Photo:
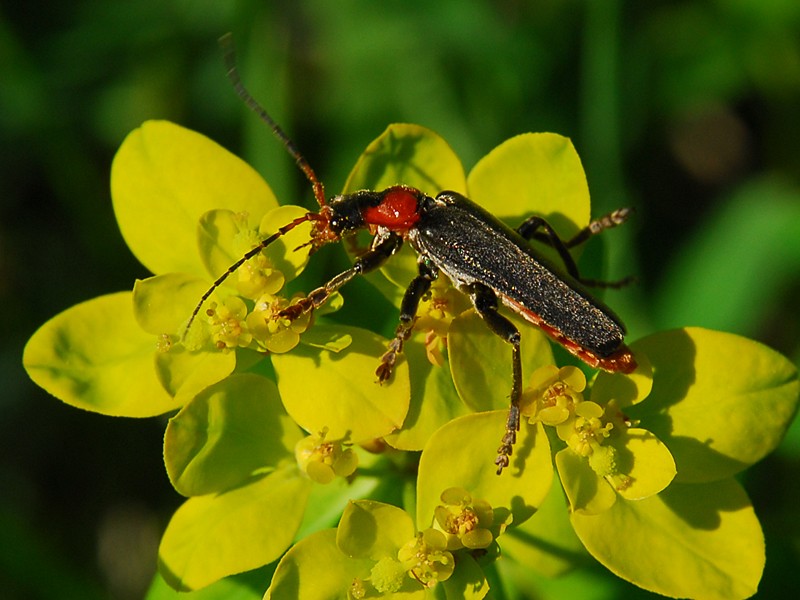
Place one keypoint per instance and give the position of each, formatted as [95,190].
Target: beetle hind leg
[537,228]
[485,302]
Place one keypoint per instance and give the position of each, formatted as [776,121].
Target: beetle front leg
[418,287]
[485,302]
[383,247]
[539,229]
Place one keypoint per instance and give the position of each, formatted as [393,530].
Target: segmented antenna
[229,55]
[247,256]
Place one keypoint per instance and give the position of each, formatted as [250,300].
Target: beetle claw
[384,370]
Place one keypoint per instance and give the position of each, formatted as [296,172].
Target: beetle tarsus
[388,360]
[613,219]
[509,439]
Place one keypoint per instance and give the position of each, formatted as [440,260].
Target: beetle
[484,258]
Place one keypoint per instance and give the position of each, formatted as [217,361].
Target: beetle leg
[539,229]
[382,248]
[612,219]
[485,302]
[418,287]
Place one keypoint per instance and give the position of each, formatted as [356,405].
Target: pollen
[426,559]
[324,460]
[586,431]
[464,521]
[228,328]
[436,312]
[164,343]
[387,575]
[553,394]
[258,277]
[272,331]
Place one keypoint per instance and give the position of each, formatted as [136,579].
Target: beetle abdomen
[470,245]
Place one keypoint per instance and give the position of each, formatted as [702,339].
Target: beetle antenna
[229,55]
[247,256]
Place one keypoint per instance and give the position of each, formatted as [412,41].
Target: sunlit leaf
[480,360]
[720,402]
[164,178]
[587,493]
[533,173]
[338,391]
[546,542]
[210,537]
[646,463]
[163,303]
[223,239]
[434,400]
[245,586]
[625,389]
[370,529]
[226,433]
[462,453]
[184,373]
[299,574]
[690,541]
[95,356]
[410,155]
[467,581]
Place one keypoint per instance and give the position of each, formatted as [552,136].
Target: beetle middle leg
[539,229]
[418,287]
[485,302]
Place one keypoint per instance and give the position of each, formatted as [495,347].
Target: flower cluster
[281,430]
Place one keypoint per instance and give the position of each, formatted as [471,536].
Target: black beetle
[482,257]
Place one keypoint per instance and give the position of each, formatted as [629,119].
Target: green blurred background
[688,111]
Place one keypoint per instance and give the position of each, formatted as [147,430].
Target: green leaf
[625,389]
[467,581]
[326,338]
[164,178]
[690,541]
[410,155]
[95,356]
[645,460]
[245,586]
[719,402]
[223,239]
[213,536]
[327,502]
[370,529]
[434,400]
[217,233]
[184,373]
[480,360]
[533,173]
[339,391]
[546,542]
[162,304]
[226,433]
[642,468]
[290,252]
[315,569]
[461,454]
[587,493]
